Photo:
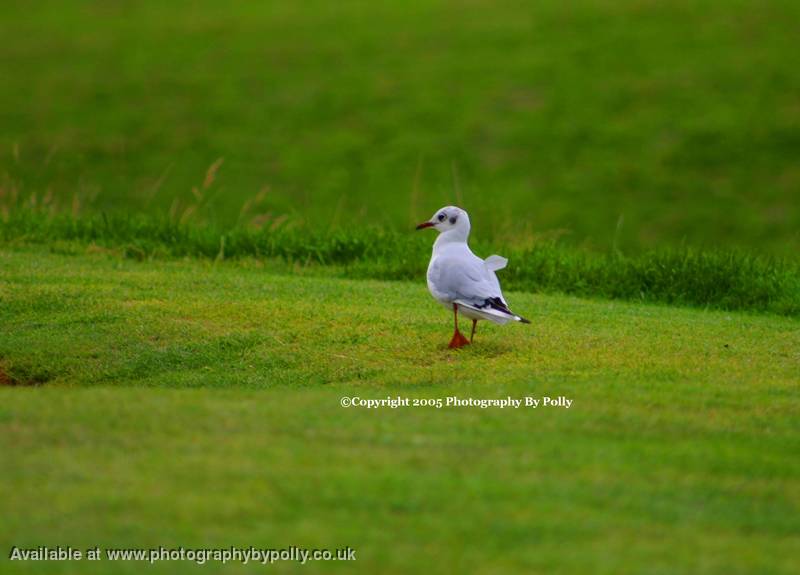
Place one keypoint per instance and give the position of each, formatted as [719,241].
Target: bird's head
[447,218]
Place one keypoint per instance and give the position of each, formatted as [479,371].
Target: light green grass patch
[187,403]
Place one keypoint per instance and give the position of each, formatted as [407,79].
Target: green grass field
[603,122]
[718,279]
[206,242]
[202,408]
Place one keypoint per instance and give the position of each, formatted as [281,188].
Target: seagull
[460,280]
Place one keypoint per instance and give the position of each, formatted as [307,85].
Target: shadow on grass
[484,349]
[22,378]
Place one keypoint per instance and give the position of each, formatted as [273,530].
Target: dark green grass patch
[709,278]
[678,118]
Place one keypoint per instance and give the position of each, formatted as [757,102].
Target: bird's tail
[500,305]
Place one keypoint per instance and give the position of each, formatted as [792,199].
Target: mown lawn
[198,404]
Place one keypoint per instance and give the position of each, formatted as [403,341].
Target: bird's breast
[433,277]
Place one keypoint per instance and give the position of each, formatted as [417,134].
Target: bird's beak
[424,225]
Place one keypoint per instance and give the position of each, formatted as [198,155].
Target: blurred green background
[627,122]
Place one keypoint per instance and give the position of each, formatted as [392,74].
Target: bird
[460,280]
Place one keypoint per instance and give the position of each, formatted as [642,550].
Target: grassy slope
[681,116]
[718,279]
[155,427]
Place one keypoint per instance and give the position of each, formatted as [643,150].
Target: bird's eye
[441,217]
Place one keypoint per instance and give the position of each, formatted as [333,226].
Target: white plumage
[459,279]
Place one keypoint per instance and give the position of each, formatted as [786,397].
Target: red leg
[474,323]
[458,339]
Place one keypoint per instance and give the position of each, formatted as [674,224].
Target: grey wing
[495,284]
[467,279]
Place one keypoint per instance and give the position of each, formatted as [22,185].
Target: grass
[197,403]
[201,205]
[722,279]
[628,123]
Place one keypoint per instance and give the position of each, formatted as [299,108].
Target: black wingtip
[500,305]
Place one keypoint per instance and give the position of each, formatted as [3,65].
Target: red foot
[458,340]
